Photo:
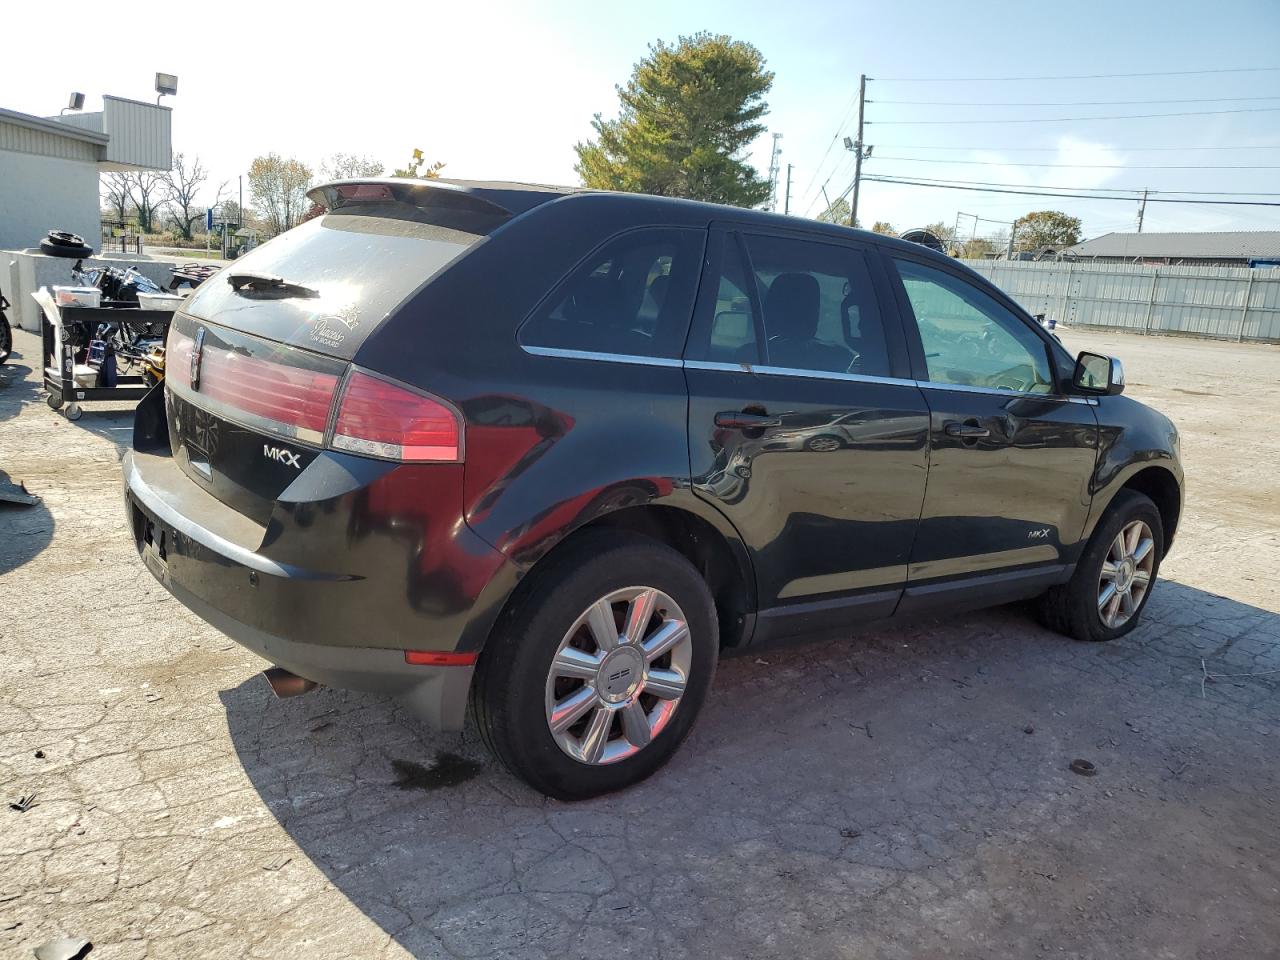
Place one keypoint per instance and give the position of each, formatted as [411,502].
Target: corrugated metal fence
[1225,303]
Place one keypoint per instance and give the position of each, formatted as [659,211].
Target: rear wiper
[265,283]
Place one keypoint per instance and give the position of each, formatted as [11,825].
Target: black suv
[548,451]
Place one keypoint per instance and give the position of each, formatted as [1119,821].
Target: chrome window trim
[564,353]
[768,371]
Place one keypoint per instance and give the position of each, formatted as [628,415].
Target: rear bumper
[437,694]
[342,629]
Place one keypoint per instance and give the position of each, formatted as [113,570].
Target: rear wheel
[1112,583]
[599,670]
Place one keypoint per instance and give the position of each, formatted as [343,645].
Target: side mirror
[1099,374]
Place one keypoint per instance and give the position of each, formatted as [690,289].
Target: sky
[503,90]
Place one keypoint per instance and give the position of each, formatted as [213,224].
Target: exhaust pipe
[285,684]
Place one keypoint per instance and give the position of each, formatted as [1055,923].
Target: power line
[1080,76]
[844,120]
[1060,103]
[1082,166]
[1137,190]
[1071,196]
[920,146]
[1126,116]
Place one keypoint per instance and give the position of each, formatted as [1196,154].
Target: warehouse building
[1240,248]
[50,166]
[49,173]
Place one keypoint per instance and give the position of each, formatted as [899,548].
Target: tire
[1076,608]
[54,400]
[62,250]
[824,443]
[516,690]
[6,339]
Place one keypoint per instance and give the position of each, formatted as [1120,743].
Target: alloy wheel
[618,675]
[1126,574]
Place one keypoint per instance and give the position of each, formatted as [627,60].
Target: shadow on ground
[24,530]
[904,793]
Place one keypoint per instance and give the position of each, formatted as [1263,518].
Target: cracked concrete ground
[901,794]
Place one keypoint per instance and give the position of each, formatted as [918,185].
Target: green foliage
[686,118]
[414,170]
[1045,228]
[884,227]
[837,212]
[278,186]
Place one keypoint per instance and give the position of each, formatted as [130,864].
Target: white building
[49,167]
[49,173]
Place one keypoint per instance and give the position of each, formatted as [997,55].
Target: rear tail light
[379,419]
[281,396]
[271,393]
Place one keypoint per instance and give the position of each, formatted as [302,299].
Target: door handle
[742,420]
[968,431]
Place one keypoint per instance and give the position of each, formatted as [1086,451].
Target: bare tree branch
[181,185]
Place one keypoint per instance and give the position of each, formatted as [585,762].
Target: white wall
[39,194]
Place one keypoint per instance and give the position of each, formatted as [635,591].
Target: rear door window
[632,297]
[814,302]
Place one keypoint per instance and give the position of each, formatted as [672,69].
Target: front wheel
[1112,583]
[598,671]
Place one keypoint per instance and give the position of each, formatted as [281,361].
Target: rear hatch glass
[325,285]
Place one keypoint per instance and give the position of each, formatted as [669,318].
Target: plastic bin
[77,296]
[160,301]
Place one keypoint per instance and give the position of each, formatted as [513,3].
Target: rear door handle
[969,431]
[736,420]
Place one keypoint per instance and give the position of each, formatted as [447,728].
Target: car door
[1010,455]
[805,428]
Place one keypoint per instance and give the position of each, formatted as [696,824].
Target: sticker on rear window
[326,333]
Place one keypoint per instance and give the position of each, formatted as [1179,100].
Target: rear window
[345,272]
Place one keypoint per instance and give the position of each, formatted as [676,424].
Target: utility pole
[857,151]
[786,204]
[774,169]
[1142,210]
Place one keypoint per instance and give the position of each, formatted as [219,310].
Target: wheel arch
[717,555]
[1165,492]
[1155,481]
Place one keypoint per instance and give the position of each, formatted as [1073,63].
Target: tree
[943,231]
[884,227]
[147,191]
[182,184]
[1043,228]
[414,171]
[115,191]
[837,211]
[347,166]
[977,248]
[137,192]
[278,187]
[686,118]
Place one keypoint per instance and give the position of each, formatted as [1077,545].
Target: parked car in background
[549,451]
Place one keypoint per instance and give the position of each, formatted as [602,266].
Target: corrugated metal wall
[140,133]
[24,139]
[1225,303]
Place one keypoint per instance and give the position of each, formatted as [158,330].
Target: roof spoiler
[424,194]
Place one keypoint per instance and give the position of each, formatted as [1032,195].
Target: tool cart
[94,352]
